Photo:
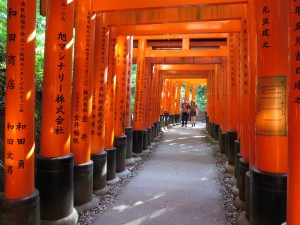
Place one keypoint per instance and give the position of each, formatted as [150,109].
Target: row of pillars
[87,133]
[253,104]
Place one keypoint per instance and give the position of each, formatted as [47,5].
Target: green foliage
[133,86]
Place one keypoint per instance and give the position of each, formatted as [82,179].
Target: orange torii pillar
[217,102]
[167,101]
[293,185]
[223,104]
[138,126]
[242,158]
[120,140]
[211,103]
[164,97]
[82,106]
[269,174]
[156,99]
[54,174]
[232,98]
[252,33]
[172,102]
[147,106]
[187,91]
[178,102]
[161,101]
[110,111]
[98,153]
[128,114]
[19,203]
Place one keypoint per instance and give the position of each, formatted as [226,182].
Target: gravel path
[222,183]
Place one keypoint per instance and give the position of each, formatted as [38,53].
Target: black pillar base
[167,118]
[20,211]
[83,186]
[207,123]
[155,130]
[162,121]
[149,137]
[243,169]
[248,195]
[237,158]
[222,142]
[268,197]
[129,135]
[216,133]
[120,143]
[153,133]
[137,141]
[111,164]
[145,139]
[177,118]
[172,119]
[232,136]
[55,182]
[99,173]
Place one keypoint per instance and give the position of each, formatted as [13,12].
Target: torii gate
[273,164]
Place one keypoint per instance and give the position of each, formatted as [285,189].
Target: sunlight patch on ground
[168,141]
[199,136]
[155,214]
[121,208]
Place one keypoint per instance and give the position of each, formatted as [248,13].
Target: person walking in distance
[185,113]
[193,112]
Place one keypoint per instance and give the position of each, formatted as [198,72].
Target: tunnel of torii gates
[246,52]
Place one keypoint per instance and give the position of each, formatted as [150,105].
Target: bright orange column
[172,102]
[120,139]
[187,91]
[56,104]
[293,186]
[217,101]
[20,100]
[110,108]
[128,122]
[82,83]
[121,79]
[56,115]
[178,102]
[82,103]
[138,125]
[268,176]
[271,111]
[111,92]
[99,86]
[99,156]
[128,119]
[252,80]
[233,76]
[223,104]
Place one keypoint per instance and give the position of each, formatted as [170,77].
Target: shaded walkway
[176,186]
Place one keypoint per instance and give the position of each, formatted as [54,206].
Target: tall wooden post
[82,106]
[223,105]
[171,102]
[54,177]
[293,185]
[120,140]
[99,156]
[217,102]
[232,96]
[177,102]
[128,114]
[110,110]
[20,201]
[268,176]
[139,96]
